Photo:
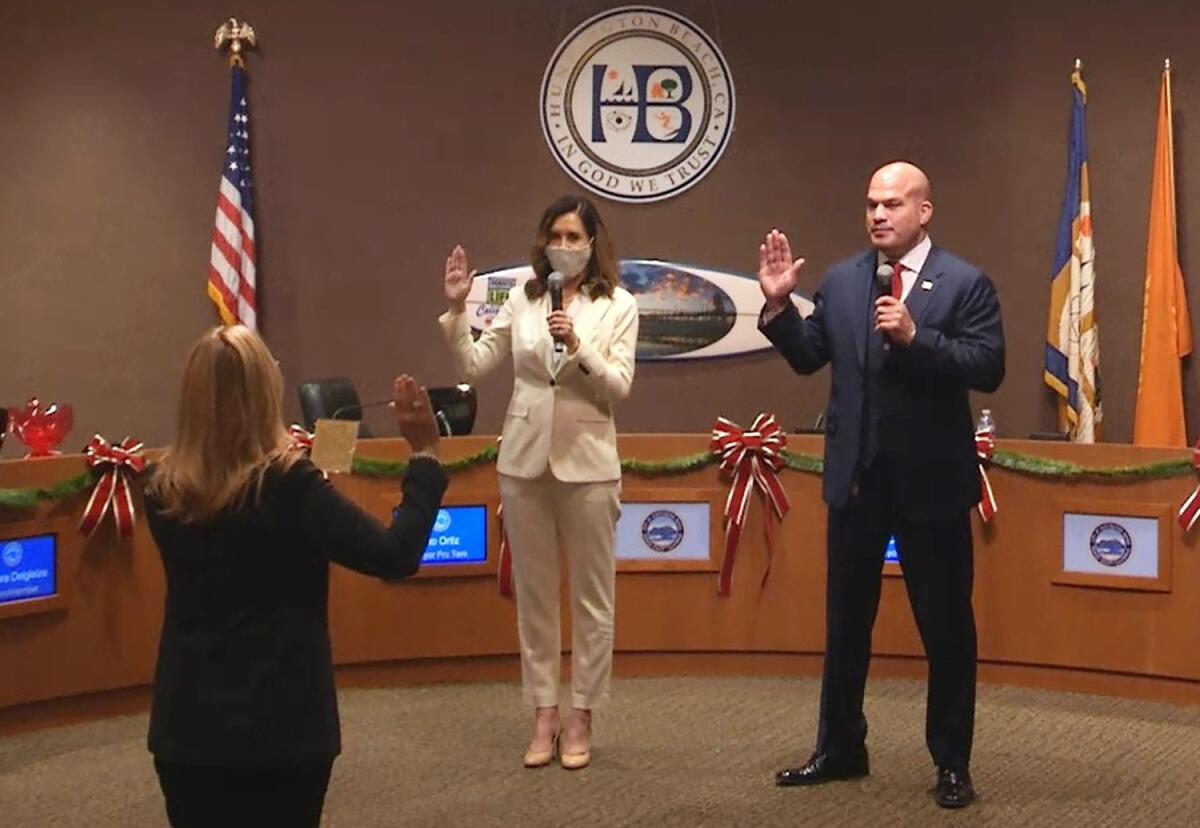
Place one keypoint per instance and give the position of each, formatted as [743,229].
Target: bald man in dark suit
[908,330]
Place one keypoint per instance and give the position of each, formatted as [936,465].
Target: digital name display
[28,568]
[892,555]
[459,536]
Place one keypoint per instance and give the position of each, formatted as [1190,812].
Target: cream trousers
[542,517]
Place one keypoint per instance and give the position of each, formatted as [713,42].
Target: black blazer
[959,346]
[245,672]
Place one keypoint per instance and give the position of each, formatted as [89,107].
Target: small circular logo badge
[442,522]
[637,104]
[12,554]
[662,530]
[1111,544]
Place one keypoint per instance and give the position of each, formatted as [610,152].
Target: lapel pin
[927,285]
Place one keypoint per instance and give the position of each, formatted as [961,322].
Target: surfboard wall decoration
[685,311]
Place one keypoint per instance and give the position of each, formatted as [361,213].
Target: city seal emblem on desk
[1111,544]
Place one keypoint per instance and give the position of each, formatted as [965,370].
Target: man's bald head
[906,176]
[899,207]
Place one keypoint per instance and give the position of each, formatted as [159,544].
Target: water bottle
[986,424]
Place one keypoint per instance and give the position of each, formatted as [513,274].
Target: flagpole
[232,267]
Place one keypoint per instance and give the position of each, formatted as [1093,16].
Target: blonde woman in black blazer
[244,724]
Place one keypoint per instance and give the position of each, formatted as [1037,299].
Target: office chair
[454,406]
[334,399]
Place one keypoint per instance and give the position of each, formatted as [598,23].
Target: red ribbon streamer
[300,438]
[753,458]
[985,449]
[117,464]
[1190,510]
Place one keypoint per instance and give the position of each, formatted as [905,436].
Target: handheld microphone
[555,284]
[883,281]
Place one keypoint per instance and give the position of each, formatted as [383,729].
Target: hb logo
[656,93]
[637,104]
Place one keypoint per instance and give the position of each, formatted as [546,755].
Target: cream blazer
[558,418]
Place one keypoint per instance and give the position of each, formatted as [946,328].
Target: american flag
[231,272]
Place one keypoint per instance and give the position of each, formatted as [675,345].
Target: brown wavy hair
[602,274]
[229,430]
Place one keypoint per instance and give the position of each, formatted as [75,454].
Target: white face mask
[569,261]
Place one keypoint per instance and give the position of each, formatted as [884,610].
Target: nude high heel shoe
[541,758]
[577,753]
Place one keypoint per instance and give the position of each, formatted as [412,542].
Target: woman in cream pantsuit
[560,477]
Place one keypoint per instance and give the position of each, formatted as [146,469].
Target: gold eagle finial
[238,35]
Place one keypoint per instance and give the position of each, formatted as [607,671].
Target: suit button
[552,383]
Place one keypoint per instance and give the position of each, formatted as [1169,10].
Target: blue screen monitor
[459,536]
[28,568]
[892,555]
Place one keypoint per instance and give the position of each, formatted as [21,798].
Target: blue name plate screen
[892,555]
[28,568]
[459,536]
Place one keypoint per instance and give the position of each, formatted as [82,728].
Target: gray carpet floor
[667,751]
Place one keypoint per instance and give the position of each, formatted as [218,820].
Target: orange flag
[1166,325]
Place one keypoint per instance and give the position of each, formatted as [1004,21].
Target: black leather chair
[455,407]
[331,399]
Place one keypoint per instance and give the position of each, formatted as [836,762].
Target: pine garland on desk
[1024,464]
[26,498]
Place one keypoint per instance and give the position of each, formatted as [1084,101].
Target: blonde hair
[229,429]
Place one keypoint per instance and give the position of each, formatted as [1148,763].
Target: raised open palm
[458,277]
[778,274]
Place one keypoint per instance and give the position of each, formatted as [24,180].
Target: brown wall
[384,133]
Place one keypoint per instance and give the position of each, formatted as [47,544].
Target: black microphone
[360,406]
[883,281]
[555,283]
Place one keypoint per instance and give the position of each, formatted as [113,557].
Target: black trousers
[200,797]
[937,560]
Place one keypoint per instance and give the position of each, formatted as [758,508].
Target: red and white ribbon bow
[1189,512]
[300,438]
[985,449]
[753,458]
[117,464]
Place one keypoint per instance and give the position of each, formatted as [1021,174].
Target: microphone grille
[556,279]
[883,277]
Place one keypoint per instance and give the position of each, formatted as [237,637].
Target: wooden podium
[92,650]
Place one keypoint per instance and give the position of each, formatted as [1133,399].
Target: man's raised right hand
[778,274]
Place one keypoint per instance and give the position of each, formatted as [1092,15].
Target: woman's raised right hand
[458,279]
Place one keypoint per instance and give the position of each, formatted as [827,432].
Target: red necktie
[897,282]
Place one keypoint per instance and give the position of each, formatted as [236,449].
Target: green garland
[1023,464]
[1044,467]
[25,498]
[368,467]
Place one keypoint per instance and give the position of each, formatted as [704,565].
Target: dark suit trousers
[937,561]
[202,797]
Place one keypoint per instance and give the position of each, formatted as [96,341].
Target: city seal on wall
[662,530]
[1111,544]
[637,104]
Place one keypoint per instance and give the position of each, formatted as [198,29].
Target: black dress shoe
[822,767]
[954,789]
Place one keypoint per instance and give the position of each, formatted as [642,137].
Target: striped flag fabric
[1072,367]
[1158,419]
[231,271]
